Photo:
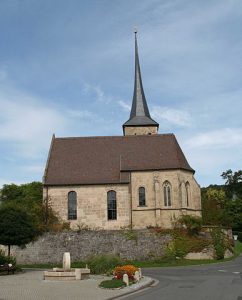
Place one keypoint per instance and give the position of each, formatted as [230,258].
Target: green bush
[239,237]
[112,284]
[218,242]
[193,224]
[184,243]
[6,260]
[102,264]
[78,264]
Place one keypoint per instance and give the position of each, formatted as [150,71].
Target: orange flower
[127,269]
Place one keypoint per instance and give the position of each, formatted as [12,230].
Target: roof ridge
[114,136]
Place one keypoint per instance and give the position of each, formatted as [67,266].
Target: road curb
[141,287]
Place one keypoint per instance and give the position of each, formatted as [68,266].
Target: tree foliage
[16,226]
[233,184]
[213,201]
[29,197]
[222,205]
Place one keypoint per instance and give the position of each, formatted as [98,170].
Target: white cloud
[124,105]
[222,138]
[173,116]
[96,92]
[27,123]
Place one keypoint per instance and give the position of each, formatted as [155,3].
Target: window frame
[111,205]
[142,202]
[187,188]
[72,207]
[167,194]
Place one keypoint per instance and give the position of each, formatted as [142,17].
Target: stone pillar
[66,261]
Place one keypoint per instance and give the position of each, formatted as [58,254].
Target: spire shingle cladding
[140,115]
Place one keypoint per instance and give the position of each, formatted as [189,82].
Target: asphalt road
[222,281]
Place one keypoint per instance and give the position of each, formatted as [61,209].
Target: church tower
[140,121]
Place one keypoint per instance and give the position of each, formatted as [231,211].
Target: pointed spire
[139,115]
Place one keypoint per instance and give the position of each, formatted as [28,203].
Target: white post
[136,276]
[126,279]
[140,273]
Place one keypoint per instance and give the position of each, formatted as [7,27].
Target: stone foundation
[49,248]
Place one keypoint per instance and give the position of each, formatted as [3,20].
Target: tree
[16,227]
[213,202]
[29,197]
[29,192]
[233,184]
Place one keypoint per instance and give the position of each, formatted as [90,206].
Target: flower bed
[127,269]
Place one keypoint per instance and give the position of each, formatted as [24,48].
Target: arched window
[141,196]
[72,205]
[187,186]
[167,193]
[112,205]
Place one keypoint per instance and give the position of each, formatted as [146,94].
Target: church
[137,180]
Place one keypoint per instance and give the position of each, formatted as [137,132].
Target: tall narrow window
[167,193]
[141,196]
[112,205]
[187,193]
[72,206]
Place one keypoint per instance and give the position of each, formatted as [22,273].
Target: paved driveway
[209,282]
[31,286]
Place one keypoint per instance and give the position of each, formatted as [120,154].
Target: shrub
[239,237]
[183,243]
[6,260]
[112,284]
[193,224]
[102,264]
[218,242]
[127,269]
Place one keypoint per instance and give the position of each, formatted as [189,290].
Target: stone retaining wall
[49,248]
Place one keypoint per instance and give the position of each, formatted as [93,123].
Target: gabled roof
[100,160]
[140,114]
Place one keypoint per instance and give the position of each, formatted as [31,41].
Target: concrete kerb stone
[135,287]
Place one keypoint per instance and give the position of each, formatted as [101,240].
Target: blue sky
[67,67]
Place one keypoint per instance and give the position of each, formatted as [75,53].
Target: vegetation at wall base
[6,259]
[237,248]
[112,284]
[102,264]
[193,224]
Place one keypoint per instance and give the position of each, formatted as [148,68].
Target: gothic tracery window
[167,193]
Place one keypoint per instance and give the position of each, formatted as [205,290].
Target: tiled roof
[109,159]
